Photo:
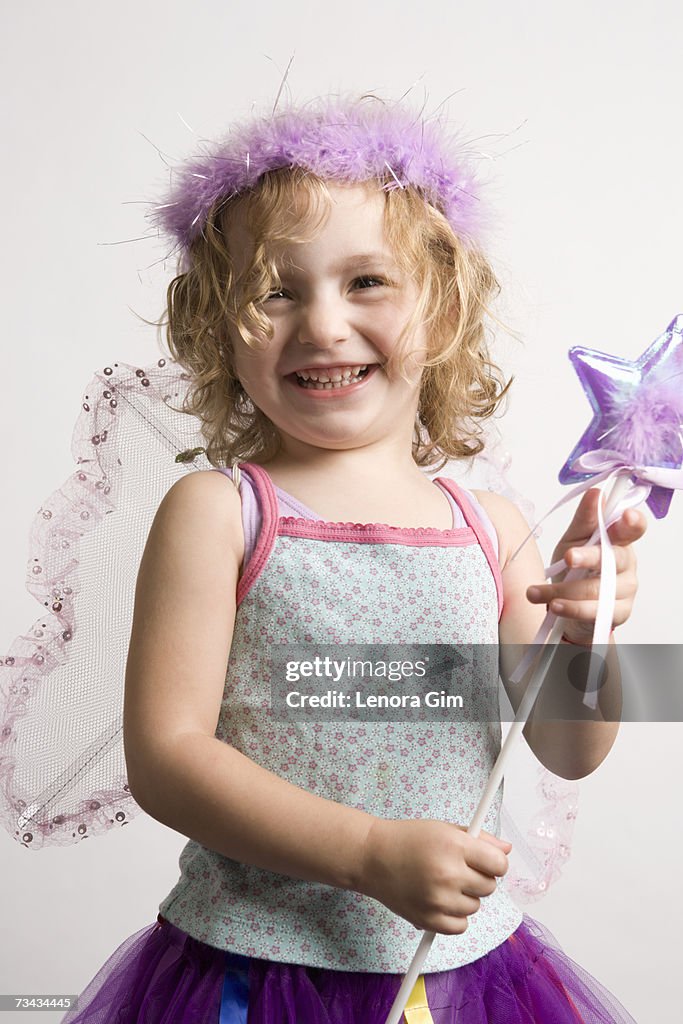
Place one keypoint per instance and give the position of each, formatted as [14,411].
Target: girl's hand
[577,601]
[431,872]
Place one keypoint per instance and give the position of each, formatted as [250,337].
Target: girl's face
[337,318]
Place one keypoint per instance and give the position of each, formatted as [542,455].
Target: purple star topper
[637,410]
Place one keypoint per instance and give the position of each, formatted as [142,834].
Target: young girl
[330,312]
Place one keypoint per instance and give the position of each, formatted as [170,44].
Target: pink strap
[266,539]
[474,522]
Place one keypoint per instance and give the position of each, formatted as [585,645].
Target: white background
[586,241]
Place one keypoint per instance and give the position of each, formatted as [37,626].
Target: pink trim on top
[265,539]
[371,533]
[267,500]
[472,518]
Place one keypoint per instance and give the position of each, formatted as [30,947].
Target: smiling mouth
[334,379]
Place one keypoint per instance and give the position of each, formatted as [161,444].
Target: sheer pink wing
[62,768]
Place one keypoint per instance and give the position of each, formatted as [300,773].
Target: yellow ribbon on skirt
[417,1008]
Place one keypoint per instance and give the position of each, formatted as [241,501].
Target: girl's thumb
[503,843]
[489,837]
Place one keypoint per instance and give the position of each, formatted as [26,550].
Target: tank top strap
[256,509]
[266,510]
[476,525]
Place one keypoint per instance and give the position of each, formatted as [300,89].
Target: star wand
[638,408]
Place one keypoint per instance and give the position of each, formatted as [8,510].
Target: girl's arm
[577,742]
[177,660]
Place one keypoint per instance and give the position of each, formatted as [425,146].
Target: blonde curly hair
[209,301]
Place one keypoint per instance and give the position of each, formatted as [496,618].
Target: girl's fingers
[582,593]
[578,599]
[629,527]
[591,557]
[586,611]
[583,590]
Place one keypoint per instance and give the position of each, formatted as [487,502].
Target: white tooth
[325,377]
[341,377]
[328,385]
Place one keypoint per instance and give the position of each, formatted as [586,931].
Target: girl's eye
[369,282]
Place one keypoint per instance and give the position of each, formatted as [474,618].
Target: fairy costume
[280,948]
[143,969]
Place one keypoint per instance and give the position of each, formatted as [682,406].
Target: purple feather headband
[342,140]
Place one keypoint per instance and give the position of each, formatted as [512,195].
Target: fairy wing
[62,766]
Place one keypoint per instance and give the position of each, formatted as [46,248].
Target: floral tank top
[312,582]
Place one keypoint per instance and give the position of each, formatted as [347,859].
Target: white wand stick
[496,777]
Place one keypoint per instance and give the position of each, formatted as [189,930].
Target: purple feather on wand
[649,421]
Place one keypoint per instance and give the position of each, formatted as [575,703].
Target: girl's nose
[323,323]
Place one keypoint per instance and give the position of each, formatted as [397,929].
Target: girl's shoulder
[214,485]
[204,502]
[509,523]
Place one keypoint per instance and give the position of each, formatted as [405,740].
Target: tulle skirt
[160,975]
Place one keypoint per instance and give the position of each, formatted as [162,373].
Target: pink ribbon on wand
[604,464]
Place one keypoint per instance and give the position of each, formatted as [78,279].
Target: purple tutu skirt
[161,975]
